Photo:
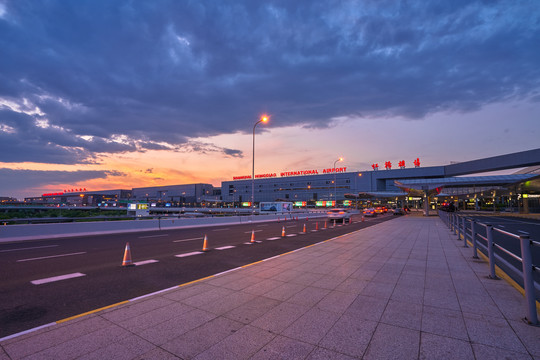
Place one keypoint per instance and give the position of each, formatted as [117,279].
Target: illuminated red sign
[53,194]
[375,166]
[416,162]
[401,164]
[387,165]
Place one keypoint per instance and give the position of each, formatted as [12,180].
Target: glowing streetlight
[335,181]
[264,119]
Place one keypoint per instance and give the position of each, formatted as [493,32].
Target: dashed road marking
[249,232]
[182,240]
[145,262]
[274,238]
[225,247]
[57,278]
[152,236]
[291,235]
[189,254]
[52,256]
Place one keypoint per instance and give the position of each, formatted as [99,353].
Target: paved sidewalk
[402,289]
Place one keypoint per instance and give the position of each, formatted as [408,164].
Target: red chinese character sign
[416,162]
[387,165]
[401,164]
[375,166]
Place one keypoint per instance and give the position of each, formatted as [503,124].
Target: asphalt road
[48,280]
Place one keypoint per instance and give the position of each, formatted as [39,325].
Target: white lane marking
[225,247]
[53,256]
[290,235]
[249,232]
[27,331]
[154,293]
[152,236]
[523,232]
[221,229]
[57,278]
[28,248]
[189,254]
[501,226]
[182,240]
[273,257]
[144,262]
[290,226]
[273,238]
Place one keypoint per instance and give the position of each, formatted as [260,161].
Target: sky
[102,94]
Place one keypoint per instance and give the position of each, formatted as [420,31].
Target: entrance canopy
[471,184]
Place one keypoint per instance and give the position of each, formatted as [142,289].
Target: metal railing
[458,224]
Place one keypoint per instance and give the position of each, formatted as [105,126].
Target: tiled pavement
[402,289]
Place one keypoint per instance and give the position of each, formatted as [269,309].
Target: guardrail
[58,230]
[458,224]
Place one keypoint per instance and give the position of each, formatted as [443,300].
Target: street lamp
[335,181]
[356,189]
[263,119]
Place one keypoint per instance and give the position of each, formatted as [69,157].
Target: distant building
[175,195]
[117,197]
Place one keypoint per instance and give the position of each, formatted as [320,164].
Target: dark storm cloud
[151,75]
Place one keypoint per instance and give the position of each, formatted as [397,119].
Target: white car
[342,215]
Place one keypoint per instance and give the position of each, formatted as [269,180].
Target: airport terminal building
[412,186]
[417,186]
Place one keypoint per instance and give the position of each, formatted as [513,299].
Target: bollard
[528,282]
[473,239]
[491,252]
[464,234]
[451,226]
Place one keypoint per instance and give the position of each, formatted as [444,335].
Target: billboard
[275,207]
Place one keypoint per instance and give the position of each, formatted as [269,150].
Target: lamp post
[263,119]
[335,181]
[356,189]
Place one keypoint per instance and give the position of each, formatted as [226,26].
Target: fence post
[465,232]
[458,225]
[528,281]
[489,230]
[473,239]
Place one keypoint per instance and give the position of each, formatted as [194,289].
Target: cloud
[124,77]
[13,180]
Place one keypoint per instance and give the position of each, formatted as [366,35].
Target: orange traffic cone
[283,231]
[304,228]
[317,225]
[127,256]
[205,244]
[325,224]
[252,236]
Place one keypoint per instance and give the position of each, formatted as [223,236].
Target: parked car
[342,215]
[398,211]
[379,210]
[369,212]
